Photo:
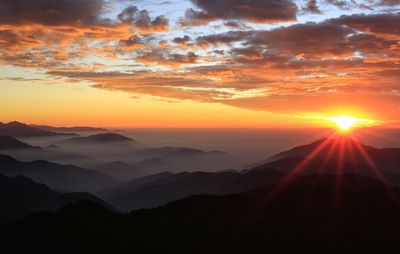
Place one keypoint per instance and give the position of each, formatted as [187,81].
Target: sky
[199,63]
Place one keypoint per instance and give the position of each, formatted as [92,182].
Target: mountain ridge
[21,196]
[305,217]
[100,138]
[56,176]
[17,129]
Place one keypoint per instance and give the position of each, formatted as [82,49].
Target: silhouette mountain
[20,196]
[25,152]
[120,170]
[178,159]
[103,138]
[346,149]
[9,143]
[134,162]
[68,129]
[170,151]
[52,146]
[17,129]
[313,214]
[59,177]
[148,192]
[159,189]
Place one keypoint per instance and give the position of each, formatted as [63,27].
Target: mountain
[313,214]
[25,152]
[127,161]
[170,151]
[52,155]
[339,159]
[68,129]
[17,129]
[153,165]
[52,146]
[120,170]
[348,149]
[159,189]
[104,138]
[59,177]
[178,159]
[20,196]
[8,143]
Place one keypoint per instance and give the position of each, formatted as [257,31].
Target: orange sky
[196,64]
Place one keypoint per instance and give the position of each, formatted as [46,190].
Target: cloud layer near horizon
[280,56]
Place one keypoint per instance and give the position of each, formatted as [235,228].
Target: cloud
[60,34]
[142,20]
[362,4]
[384,24]
[308,67]
[310,39]
[312,7]
[302,67]
[389,2]
[340,3]
[50,12]
[133,42]
[257,11]
[182,40]
[165,57]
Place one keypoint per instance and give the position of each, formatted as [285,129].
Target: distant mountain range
[9,144]
[118,156]
[143,162]
[124,171]
[68,129]
[59,177]
[331,196]
[20,196]
[308,216]
[157,190]
[103,138]
[17,129]
[25,152]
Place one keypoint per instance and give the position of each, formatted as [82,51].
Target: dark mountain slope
[134,163]
[25,152]
[8,143]
[120,170]
[60,177]
[387,159]
[305,217]
[20,196]
[159,189]
[174,186]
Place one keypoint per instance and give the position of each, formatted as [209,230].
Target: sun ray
[339,174]
[325,162]
[298,169]
[378,173]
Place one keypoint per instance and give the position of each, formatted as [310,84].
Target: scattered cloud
[142,20]
[250,59]
[312,7]
[257,11]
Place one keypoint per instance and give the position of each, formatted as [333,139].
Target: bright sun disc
[345,123]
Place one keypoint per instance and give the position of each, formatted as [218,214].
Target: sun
[345,123]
